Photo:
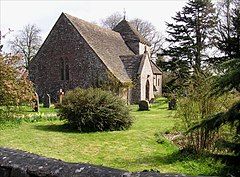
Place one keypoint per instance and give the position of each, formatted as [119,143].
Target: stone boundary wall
[16,163]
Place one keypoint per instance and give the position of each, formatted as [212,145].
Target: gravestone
[172,104]
[60,96]
[143,105]
[47,101]
[36,102]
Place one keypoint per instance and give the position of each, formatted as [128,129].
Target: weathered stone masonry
[77,53]
[16,163]
[85,68]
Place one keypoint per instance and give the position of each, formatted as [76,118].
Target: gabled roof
[132,64]
[129,33]
[107,44]
[156,70]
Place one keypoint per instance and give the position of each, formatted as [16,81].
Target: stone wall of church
[146,75]
[64,43]
[135,91]
[157,81]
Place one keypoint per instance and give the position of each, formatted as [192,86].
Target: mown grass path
[135,149]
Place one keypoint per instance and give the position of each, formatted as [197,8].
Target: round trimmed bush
[90,110]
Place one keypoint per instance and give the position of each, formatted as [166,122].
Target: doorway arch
[147,90]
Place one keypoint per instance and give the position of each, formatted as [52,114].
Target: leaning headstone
[47,101]
[143,105]
[36,102]
[60,96]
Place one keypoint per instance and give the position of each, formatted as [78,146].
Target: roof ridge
[97,26]
[140,37]
[84,28]
[154,66]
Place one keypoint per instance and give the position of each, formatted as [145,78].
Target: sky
[17,14]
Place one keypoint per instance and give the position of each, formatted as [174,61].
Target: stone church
[77,53]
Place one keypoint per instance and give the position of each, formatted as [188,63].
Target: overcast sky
[16,14]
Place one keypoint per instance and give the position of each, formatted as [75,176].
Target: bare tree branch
[112,21]
[145,28]
[27,43]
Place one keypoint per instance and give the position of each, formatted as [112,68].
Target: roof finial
[124,14]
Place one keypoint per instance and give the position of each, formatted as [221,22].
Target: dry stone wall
[16,163]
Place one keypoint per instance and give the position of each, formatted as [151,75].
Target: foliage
[160,138]
[228,37]
[15,88]
[190,38]
[12,116]
[95,110]
[227,82]
[27,43]
[135,149]
[111,84]
[213,123]
[197,106]
[229,78]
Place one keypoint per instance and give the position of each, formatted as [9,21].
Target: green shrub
[197,106]
[93,110]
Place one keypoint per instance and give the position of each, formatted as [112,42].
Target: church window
[67,72]
[64,70]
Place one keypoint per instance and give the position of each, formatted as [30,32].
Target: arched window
[147,89]
[64,69]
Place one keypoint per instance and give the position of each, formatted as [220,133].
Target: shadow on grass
[176,156]
[65,128]
[230,164]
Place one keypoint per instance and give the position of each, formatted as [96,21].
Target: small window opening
[64,70]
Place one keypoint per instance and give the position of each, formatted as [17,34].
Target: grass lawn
[135,149]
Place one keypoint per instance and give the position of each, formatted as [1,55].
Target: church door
[147,90]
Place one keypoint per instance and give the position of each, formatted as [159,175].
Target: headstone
[172,104]
[36,102]
[47,101]
[143,105]
[60,96]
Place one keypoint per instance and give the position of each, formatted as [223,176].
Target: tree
[145,28]
[148,31]
[112,20]
[228,43]
[228,39]
[190,38]
[15,88]
[27,43]
[224,83]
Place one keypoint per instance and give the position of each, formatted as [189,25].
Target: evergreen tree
[190,37]
[228,43]
[228,40]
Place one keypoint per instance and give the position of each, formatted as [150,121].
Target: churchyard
[142,147]
[120,93]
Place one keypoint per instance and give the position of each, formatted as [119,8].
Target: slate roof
[132,64]
[156,70]
[107,44]
[129,32]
